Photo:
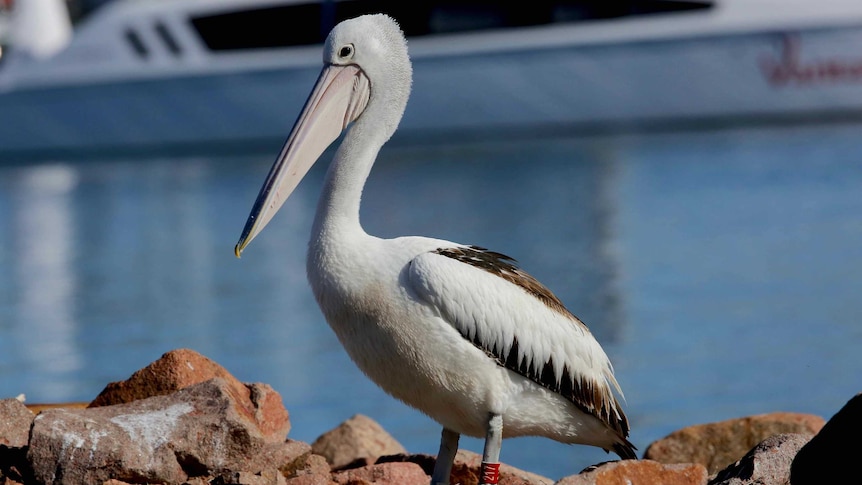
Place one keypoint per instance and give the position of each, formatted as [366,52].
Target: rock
[207,480]
[404,473]
[173,371]
[640,472]
[15,421]
[306,463]
[203,429]
[465,470]
[768,463]
[285,457]
[358,438]
[266,477]
[830,456]
[315,471]
[270,414]
[14,468]
[310,480]
[716,445]
[181,368]
[39,407]
[426,462]
[468,464]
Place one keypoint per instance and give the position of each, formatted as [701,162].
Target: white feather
[496,311]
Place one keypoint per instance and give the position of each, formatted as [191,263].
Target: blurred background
[685,176]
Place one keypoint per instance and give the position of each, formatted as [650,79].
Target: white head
[376,45]
[366,78]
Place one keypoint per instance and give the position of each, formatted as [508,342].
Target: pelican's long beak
[338,98]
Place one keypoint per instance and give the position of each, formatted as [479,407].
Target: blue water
[721,271]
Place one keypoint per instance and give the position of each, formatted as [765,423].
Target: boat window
[137,45]
[168,38]
[261,27]
[598,10]
[305,24]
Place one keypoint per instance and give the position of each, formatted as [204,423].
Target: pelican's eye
[346,51]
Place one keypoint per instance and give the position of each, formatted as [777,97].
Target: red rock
[206,480]
[181,368]
[467,465]
[465,470]
[640,472]
[426,462]
[173,371]
[314,471]
[15,421]
[284,457]
[830,456]
[768,463]
[383,474]
[266,477]
[717,445]
[310,480]
[270,415]
[317,464]
[200,430]
[360,437]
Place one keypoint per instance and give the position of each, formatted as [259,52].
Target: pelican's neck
[338,209]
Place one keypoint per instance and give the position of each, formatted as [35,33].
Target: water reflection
[43,237]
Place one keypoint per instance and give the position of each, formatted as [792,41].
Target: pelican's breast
[382,324]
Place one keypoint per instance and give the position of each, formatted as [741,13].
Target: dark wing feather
[591,396]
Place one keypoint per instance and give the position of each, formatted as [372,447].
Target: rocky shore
[186,420]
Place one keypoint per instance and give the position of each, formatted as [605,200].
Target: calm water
[721,271]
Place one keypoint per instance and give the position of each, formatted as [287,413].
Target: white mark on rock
[154,428]
[70,440]
[95,436]
[73,440]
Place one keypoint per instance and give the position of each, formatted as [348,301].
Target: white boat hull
[789,75]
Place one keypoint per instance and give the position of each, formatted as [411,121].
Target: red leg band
[490,473]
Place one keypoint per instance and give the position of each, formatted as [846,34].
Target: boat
[186,76]
[5,12]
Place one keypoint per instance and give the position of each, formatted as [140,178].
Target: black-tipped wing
[520,323]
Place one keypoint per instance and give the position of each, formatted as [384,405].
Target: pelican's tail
[626,450]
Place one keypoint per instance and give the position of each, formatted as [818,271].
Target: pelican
[456,331]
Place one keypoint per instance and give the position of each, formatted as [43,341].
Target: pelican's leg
[490,473]
[445,457]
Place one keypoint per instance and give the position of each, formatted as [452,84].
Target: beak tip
[237,251]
